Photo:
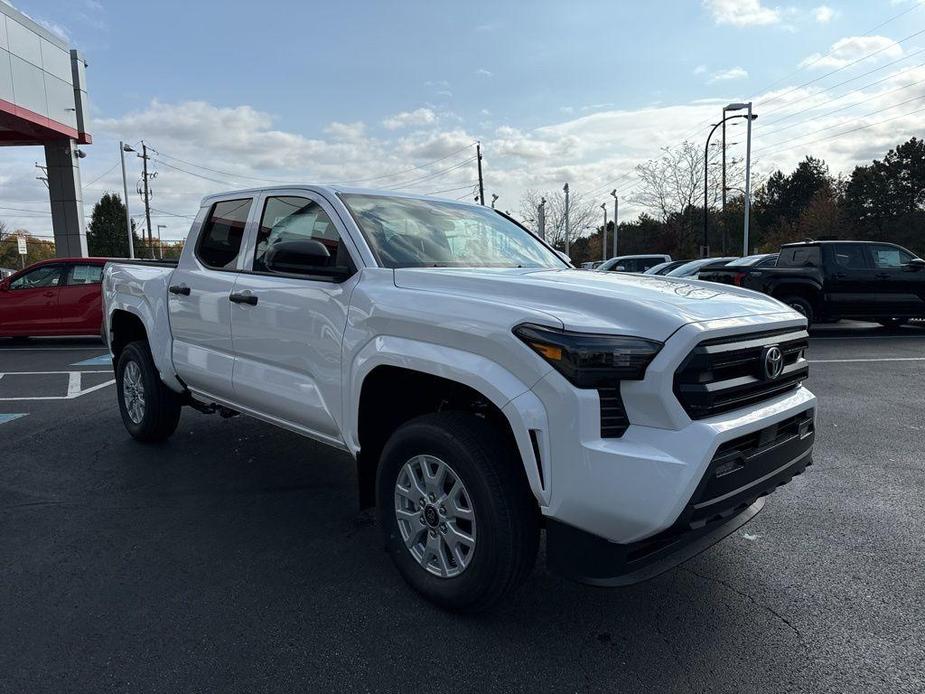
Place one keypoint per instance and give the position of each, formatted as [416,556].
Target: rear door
[288,339]
[80,299]
[850,285]
[902,288]
[29,306]
[198,299]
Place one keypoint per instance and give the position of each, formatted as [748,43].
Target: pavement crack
[728,586]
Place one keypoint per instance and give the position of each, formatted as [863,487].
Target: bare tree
[582,214]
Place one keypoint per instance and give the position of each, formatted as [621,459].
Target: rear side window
[222,233]
[799,256]
[850,257]
[85,274]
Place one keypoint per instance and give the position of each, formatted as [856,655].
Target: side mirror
[5,284]
[303,257]
[620,268]
[915,264]
[564,257]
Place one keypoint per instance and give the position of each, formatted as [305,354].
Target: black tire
[893,323]
[801,305]
[504,509]
[160,411]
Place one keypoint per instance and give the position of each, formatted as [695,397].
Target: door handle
[48,294]
[180,289]
[882,276]
[243,298]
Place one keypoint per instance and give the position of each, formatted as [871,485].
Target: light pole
[748,167]
[604,233]
[565,190]
[160,246]
[123,148]
[494,198]
[616,211]
[705,249]
[541,218]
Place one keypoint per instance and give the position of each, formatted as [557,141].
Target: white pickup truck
[486,388]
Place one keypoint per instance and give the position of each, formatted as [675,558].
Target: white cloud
[482,72]
[420,116]
[733,73]
[742,13]
[700,70]
[852,48]
[346,131]
[824,14]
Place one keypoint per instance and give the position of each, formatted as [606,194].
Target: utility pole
[604,233]
[146,194]
[123,148]
[478,156]
[565,190]
[541,218]
[723,208]
[616,216]
[44,177]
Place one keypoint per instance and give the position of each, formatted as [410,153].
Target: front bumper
[729,494]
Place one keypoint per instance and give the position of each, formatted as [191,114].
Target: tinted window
[222,232]
[799,256]
[850,257]
[85,274]
[410,232]
[299,219]
[889,256]
[45,276]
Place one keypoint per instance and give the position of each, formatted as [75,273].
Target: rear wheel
[457,515]
[150,410]
[893,322]
[800,305]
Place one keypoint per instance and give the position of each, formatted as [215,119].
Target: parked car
[60,296]
[832,280]
[6,272]
[665,268]
[469,370]
[632,263]
[591,264]
[692,268]
[736,271]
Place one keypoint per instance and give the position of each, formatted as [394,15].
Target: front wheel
[892,323]
[800,305]
[150,410]
[456,512]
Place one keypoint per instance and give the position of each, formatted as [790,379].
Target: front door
[29,306]
[288,329]
[80,300]
[851,288]
[198,300]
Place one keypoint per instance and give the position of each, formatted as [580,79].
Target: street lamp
[616,209]
[494,198]
[160,246]
[123,148]
[705,251]
[565,190]
[604,233]
[740,106]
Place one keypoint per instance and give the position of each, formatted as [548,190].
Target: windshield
[695,265]
[409,232]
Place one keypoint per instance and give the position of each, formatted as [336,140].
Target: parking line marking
[102,360]
[4,418]
[74,389]
[854,361]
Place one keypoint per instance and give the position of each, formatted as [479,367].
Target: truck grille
[727,373]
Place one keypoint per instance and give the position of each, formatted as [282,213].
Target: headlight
[589,360]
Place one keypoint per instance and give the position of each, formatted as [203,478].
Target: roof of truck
[332,189]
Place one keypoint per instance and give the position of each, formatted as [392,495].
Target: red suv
[61,296]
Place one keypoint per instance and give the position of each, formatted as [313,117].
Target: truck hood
[611,302]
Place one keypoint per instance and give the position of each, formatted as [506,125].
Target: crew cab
[60,296]
[486,388]
[832,280]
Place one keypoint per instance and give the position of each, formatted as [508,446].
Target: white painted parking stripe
[74,389]
[853,361]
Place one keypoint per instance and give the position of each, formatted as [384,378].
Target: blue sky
[580,91]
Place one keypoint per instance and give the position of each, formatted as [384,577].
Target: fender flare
[519,405]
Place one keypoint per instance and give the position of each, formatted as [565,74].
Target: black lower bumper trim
[586,558]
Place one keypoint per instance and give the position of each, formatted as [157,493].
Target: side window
[84,274]
[221,235]
[850,257]
[288,219]
[887,257]
[799,256]
[45,276]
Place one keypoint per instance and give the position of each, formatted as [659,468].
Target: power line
[105,173]
[430,176]
[451,190]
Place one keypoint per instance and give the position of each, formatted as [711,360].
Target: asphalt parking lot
[233,558]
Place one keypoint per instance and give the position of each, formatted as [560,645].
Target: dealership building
[43,101]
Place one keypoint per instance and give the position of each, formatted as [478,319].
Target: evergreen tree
[106,235]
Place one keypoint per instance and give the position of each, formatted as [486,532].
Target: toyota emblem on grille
[773,362]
